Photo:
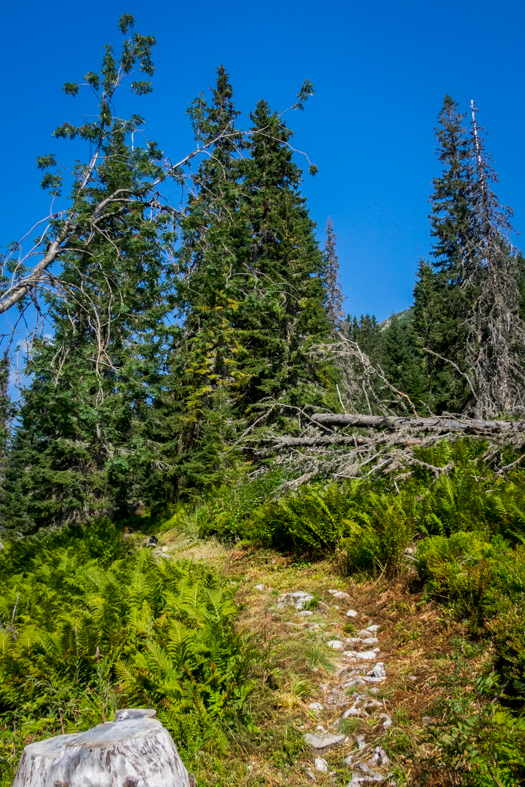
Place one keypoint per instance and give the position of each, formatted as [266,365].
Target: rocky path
[350,693]
[348,672]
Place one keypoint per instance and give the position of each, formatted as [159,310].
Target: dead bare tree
[370,437]
[496,334]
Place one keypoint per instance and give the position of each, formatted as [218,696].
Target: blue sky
[379,69]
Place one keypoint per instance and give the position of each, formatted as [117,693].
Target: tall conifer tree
[334,301]
[451,228]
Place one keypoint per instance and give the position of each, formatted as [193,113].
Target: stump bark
[133,751]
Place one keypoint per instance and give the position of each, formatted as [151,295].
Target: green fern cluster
[83,634]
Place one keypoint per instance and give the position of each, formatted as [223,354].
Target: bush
[227,514]
[485,582]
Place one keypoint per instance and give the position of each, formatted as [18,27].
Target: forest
[196,412]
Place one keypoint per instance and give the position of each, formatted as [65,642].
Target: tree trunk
[133,751]
[436,424]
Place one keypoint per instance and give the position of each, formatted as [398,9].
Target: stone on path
[322,741]
[321,765]
[298,599]
[351,613]
[361,655]
[335,644]
[339,594]
[378,671]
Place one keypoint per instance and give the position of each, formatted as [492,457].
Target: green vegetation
[99,623]
[182,351]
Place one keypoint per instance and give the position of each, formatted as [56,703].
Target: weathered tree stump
[133,751]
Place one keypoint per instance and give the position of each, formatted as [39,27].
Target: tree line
[169,334]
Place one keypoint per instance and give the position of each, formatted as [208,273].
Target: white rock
[379,757]
[260,587]
[335,644]
[311,774]
[339,594]
[351,613]
[373,628]
[316,707]
[353,712]
[133,750]
[305,612]
[348,759]
[387,720]
[364,633]
[353,640]
[361,655]
[360,740]
[370,641]
[298,599]
[378,671]
[321,765]
[322,741]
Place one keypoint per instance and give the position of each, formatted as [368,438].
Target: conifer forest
[217,487]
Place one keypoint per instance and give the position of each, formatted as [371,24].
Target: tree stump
[133,751]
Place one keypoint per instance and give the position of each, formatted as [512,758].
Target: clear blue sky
[380,71]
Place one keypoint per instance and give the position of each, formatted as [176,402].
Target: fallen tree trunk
[435,424]
[354,442]
[133,751]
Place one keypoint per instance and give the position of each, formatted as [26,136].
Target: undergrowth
[464,534]
[91,623]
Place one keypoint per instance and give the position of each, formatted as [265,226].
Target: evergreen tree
[442,295]
[7,411]
[253,295]
[401,363]
[425,333]
[334,304]
[82,447]
[197,420]
[367,334]
[283,310]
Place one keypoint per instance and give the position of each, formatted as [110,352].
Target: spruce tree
[367,334]
[400,362]
[334,301]
[197,420]
[451,230]
[285,273]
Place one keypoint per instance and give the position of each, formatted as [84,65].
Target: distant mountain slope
[403,317]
